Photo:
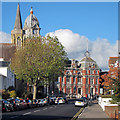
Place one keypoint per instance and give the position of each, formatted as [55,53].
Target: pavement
[93,112]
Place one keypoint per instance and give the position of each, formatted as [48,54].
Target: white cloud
[75,44]
[5,38]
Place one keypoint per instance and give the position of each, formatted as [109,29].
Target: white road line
[50,107]
[27,113]
[45,109]
[14,117]
[36,110]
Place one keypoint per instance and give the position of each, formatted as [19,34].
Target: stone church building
[31,28]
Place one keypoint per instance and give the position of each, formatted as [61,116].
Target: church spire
[18,22]
[87,52]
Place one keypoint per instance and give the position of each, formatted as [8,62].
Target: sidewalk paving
[93,112]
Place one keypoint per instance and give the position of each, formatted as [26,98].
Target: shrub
[116,97]
[106,96]
[113,102]
[5,94]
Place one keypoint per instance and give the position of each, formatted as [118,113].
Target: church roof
[31,21]
[18,22]
[87,59]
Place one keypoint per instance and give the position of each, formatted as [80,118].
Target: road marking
[27,113]
[14,117]
[77,114]
[50,107]
[36,110]
[45,109]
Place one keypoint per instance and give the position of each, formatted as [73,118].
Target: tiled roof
[7,50]
[87,59]
[112,60]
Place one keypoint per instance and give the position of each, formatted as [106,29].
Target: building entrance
[79,91]
[91,91]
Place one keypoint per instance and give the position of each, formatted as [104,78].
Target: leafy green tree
[39,59]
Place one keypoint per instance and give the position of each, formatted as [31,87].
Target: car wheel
[12,109]
[6,109]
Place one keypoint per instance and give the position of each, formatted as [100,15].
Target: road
[53,112]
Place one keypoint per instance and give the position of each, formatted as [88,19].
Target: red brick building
[80,78]
[114,62]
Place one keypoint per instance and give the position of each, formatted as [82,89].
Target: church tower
[17,32]
[31,26]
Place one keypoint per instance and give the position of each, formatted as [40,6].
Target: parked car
[81,102]
[52,99]
[86,99]
[6,106]
[40,102]
[35,103]
[45,101]
[16,103]
[23,104]
[29,103]
[59,100]
[66,100]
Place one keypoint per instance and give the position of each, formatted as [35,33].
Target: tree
[112,82]
[38,59]
[12,94]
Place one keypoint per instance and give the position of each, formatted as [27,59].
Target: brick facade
[80,79]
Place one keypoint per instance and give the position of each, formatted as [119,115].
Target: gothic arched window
[18,42]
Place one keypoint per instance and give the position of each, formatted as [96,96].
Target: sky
[73,23]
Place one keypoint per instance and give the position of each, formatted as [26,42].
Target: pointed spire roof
[87,54]
[18,22]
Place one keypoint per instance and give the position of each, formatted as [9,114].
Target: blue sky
[94,20]
[73,23]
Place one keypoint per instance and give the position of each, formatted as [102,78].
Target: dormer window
[67,72]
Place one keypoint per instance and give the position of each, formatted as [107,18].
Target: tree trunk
[34,91]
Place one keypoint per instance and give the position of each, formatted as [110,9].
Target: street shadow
[35,117]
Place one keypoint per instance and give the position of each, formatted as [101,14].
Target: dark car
[23,104]
[40,102]
[16,103]
[66,100]
[35,103]
[6,106]
[29,103]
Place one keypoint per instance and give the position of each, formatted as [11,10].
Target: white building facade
[7,78]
